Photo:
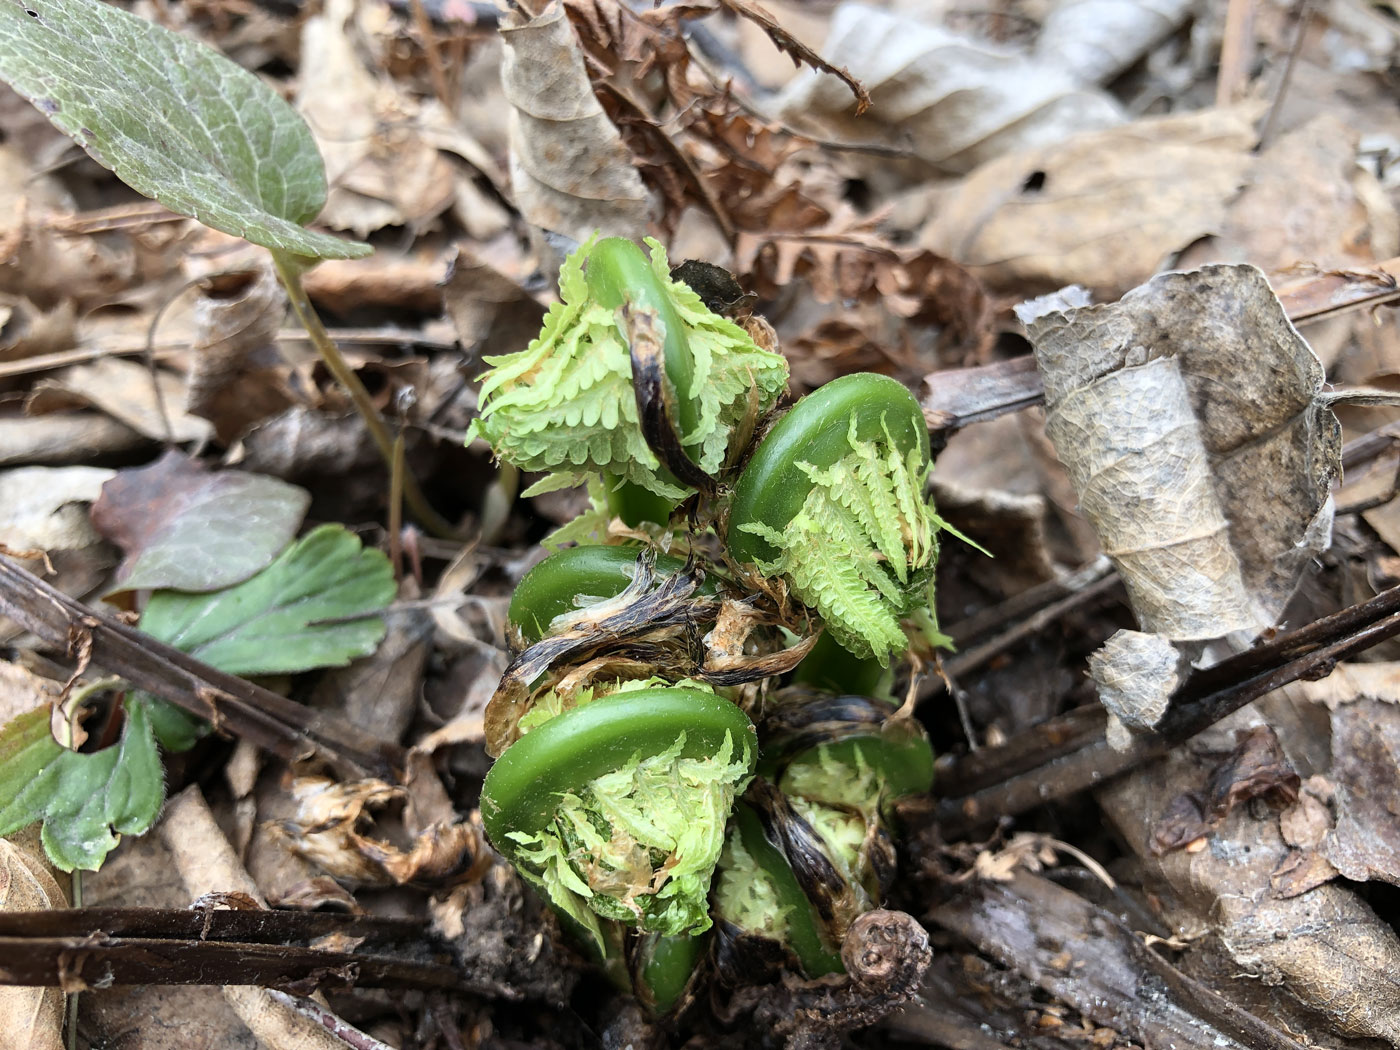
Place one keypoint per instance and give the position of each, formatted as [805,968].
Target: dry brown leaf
[491,313]
[45,508]
[1365,773]
[385,279]
[800,53]
[1326,947]
[953,101]
[126,391]
[380,170]
[238,377]
[1189,418]
[26,330]
[569,169]
[329,831]
[380,693]
[1103,209]
[1305,205]
[32,1018]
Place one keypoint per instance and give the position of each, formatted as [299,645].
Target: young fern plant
[833,501]
[810,847]
[629,366]
[616,808]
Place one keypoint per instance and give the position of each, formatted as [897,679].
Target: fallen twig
[281,726]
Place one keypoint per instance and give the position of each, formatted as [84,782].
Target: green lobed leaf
[315,606]
[174,119]
[85,800]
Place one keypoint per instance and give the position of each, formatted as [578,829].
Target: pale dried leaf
[1365,844]
[26,330]
[569,168]
[44,508]
[1189,420]
[1136,674]
[381,171]
[1305,204]
[1095,40]
[1103,209]
[126,391]
[32,1018]
[956,102]
[74,437]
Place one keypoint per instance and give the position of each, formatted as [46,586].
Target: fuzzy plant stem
[289,273]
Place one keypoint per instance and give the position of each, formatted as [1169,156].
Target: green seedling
[802,862]
[575,578]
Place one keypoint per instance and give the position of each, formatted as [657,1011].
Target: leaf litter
[1005,155]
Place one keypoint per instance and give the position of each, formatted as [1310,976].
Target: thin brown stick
[1308,653]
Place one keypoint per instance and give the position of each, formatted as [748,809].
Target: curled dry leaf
[74,437]
[491,313]
[1136,674]
[569,169]
[238,377]
[1103,208]
[328,831]
[953,101]
[1095,40]
[1189,418]
[26,330]
[42,508]
[1344,822]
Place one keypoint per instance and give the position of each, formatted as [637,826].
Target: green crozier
[566,405]
[839,763]
[616,809]
[833,500]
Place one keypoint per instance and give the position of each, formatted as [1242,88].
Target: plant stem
[289,273]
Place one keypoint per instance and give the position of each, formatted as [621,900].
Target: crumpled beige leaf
[568,166]
[44,508]
[380,169]
[330,826]
[956,102]
[31,1018]
[1136,674]
[1345,821]
[1102,208]
[1189,418]
[1098,39]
